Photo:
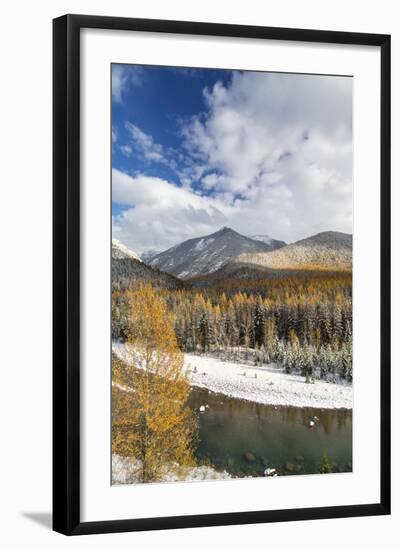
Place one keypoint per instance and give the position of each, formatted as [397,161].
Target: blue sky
[196,149]
[159,100]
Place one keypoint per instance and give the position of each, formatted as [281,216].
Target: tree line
[302,323]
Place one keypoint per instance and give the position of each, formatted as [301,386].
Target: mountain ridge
[131,273]
[119,251]
[325,250]
[206,254]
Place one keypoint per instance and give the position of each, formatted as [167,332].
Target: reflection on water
[244,437]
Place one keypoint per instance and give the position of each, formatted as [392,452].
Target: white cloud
[122,77]
[145,143]
[268,135]
[160,214]
[126,150]
[272,155]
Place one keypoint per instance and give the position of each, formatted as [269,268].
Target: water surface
[244,438]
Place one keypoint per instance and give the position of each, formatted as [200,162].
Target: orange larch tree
[152,422]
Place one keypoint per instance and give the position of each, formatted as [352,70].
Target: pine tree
[308,363]
[346,357]
[203,331]
[322,362]
[271,338]
[258,325]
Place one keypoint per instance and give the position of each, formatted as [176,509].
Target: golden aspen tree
[293,338]
[151,419]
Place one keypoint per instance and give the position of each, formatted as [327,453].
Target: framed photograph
[221,274]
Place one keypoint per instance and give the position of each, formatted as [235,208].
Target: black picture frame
[66,273]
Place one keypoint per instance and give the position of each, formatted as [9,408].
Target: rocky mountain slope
[148,255]
[207,254]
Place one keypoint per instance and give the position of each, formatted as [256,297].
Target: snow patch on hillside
[120,251]
[202,243]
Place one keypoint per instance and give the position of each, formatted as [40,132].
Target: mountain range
[329,250]
[204,255]
[227,253]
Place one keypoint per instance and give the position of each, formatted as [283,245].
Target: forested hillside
[129,273]
[301,322]
[325,251]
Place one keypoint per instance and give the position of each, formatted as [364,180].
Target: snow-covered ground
[126,471]
[267,384]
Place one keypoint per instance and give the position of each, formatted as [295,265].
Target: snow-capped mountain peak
[120,251]
[203,255]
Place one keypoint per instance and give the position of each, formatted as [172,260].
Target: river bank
[126,471]
[265,384]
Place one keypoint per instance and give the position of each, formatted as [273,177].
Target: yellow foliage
[151,419]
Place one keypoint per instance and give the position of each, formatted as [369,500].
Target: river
[244,438]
